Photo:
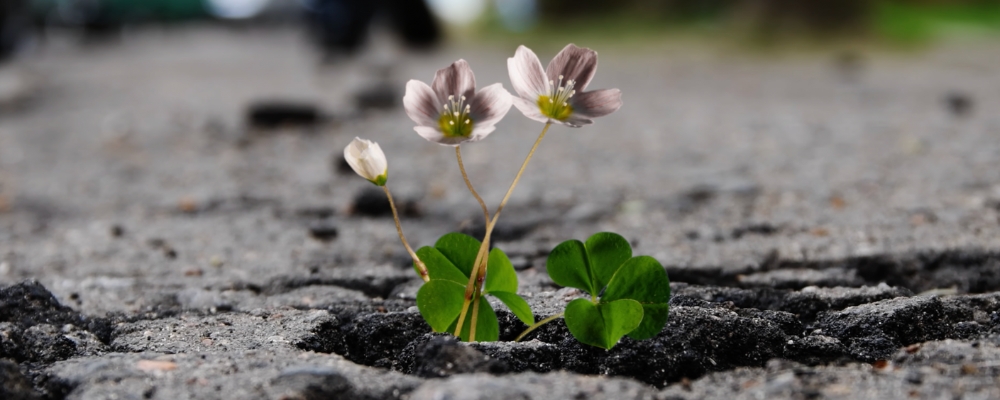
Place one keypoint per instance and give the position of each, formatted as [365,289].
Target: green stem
[536,325]
[399,229]
[479,267]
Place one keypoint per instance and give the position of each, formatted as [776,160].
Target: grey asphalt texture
[831,228]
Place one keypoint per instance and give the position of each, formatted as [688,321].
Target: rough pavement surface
[828,233]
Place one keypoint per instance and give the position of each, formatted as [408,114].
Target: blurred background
[752,130]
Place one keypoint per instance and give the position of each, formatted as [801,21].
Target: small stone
[323,231]
[117,231]
[216,261]
[837,202]
[155,365]
[444,356]
[193,272]
[187,205]
[310,383]
[969,369]
[960,104]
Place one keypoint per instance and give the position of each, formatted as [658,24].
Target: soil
[825,237]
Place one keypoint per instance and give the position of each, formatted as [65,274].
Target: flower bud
[366,158]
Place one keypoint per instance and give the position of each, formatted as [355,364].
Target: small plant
[628,295]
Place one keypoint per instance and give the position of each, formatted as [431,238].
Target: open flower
[557,93]
[453,112]
[366,158]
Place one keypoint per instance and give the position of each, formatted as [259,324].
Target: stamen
[466,121]
[451,122]
[451,97]
[455,114]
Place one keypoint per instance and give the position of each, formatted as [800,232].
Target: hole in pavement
[706,332]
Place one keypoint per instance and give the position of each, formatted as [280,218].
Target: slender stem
[461,167]
[475,313]
[395,215]
[536,325]
[481,258]
[517,178]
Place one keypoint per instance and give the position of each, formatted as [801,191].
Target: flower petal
[366,159]
[489,106]
[526,74]
[421,104]
[456,80]
[575,121]
[529,109]
[480,132]
[436,136]
[576,63]
[597,103]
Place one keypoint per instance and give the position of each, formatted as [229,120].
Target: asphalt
[831,230]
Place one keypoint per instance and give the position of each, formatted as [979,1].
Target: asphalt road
[132,188]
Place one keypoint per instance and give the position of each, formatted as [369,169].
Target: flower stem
[421,268]
[536,325]
[479,267]
[461,167]
[475,313]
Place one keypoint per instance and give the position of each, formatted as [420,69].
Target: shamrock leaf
[588,266]
[634,292]
[449,265]
[643,279]
[602,324]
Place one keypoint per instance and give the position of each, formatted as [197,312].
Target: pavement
[831,230]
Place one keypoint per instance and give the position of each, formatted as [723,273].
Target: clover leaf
[629,295]
[449,265]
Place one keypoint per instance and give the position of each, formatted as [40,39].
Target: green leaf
[487,325]
[500,274]
[439,267]
[568,266]
[460,249]
[607,252]
[517,305]
[440,303]
[643,279]
[589,266]
[602,325]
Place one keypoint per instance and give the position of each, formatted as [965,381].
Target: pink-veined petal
[436,136]
[597,103]
[576,63]
[480,132]
[526,74]
[529,109]
[489,106]
[421,104]
[575,121]
[456,80]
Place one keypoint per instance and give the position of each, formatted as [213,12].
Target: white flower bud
[366,158]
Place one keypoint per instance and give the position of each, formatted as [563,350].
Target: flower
[557,94]
[453,112]
[366,158]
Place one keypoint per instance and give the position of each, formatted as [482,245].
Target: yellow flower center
[555,104]
[454,120]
